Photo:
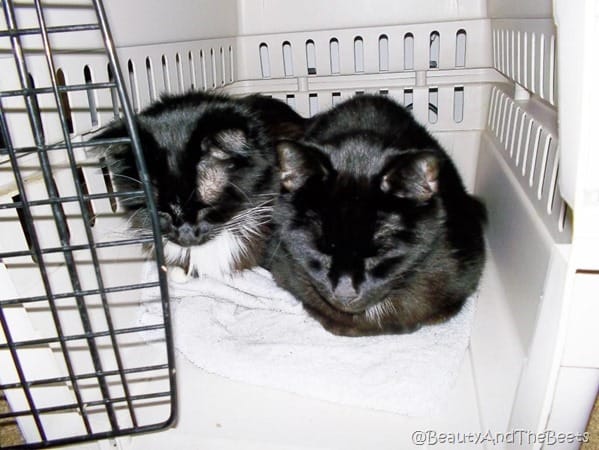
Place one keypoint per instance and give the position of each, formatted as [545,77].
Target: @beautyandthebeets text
[489,438]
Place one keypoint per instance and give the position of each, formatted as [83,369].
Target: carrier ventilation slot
[335,98]
[408,99]
[287,59]
[460,48]
[88,204]
[231,64]
[61,213]
[433,105]
[108,183]
[434,50]
[264,60]
[91,98]
[166,80]
[24,228]
[113,93]
[458,104]
[313,104]
[203,71]
[179,67]
[192,71]
[358,54]
[310,57]
[383,53]
[290,99]
[223,67]
[64,100]
[334,51]
[213,63]
[133,85]
[150,76]
[531,151]
[408,52]
[36,108]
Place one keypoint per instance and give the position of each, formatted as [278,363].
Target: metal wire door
[74,364]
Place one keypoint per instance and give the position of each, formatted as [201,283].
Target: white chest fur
[216,258]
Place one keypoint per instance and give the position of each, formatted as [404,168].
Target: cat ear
[227,143]
[414,176]
[299,163]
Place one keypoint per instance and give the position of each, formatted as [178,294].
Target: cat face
[211,164]
[357,217]
[374,231]
[201,190]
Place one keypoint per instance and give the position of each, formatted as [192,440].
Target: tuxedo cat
[374,231]
[212,163]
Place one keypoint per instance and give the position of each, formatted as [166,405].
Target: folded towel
[248,329]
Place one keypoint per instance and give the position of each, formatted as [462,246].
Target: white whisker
[120,175]
[247,197]
[378,311]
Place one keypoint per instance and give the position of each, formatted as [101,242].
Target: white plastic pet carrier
[508,87]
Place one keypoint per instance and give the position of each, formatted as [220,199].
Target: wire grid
[70,367]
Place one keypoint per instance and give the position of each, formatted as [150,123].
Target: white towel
[248,329]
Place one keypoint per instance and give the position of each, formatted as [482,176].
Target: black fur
[212,164]
[375,232]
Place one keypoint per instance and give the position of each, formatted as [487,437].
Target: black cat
[374,231]
[212,163]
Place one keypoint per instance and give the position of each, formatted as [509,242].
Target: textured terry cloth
[247,329]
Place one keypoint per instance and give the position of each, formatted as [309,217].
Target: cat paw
[177,275]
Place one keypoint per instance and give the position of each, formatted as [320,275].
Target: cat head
[356,217]
[208,159]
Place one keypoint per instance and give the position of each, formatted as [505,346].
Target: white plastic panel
[216,413]
[578,65]
[276,16]
[496,351]
[525,51]
[145,22]
[518,240]
[31,359]
[335,50]
[581,347]
[575,393]
[526,134]
[537,382]
[516,8]
[176,68]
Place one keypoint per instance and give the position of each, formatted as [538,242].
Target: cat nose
[186,234]
[345,291]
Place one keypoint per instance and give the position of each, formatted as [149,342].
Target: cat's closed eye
[219,154]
